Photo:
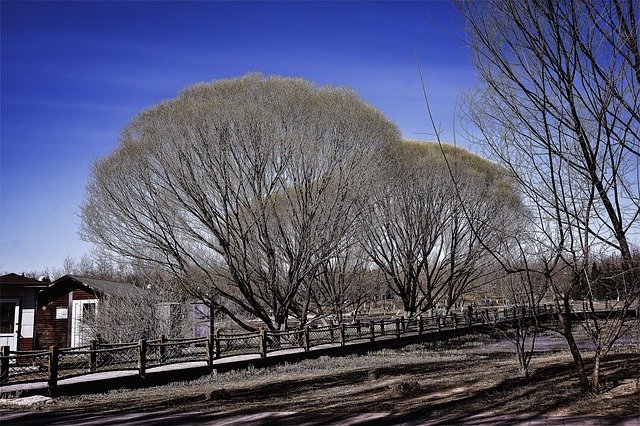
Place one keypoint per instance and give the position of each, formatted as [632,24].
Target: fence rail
[57,363]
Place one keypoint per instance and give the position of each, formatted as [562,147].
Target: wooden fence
[59,363]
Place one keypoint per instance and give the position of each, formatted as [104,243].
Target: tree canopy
[259,175]
[431,248]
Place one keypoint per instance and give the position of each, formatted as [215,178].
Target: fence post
[438,322]
[210,349]
[162,349]
[306,338]
[263,342]
[331,332]
[359,328]
[216,342]
[342,333]
[454,317]
[382,327]
[397,328]
[420,325]
[53,366]
[142,357]
[372,331]
[4,365]
[92,355]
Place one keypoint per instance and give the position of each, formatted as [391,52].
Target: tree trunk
[564,316]
[595,374]
[212,318]
[524,368]
[578,362]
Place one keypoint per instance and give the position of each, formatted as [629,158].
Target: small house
[66,307]
[17,311]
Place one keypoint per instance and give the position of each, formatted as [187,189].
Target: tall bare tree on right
[559,106]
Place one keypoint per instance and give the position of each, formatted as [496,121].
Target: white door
[9,323]
[83,315]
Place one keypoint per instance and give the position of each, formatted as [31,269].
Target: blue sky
[73,74]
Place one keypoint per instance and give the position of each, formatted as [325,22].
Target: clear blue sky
[73,74]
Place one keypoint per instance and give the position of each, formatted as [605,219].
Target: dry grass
[456,380]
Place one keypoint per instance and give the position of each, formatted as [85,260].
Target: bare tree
[260,174]
[127,317]
[416,232]
[558,107]
[525,290]
[343,283]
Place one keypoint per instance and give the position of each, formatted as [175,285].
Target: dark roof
[21,280]
[102,286]
[69,283]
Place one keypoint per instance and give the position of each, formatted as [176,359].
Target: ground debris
[218,394]
[373,374]
[405,386]
[25,401]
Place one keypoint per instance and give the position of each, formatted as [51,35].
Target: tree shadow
[304,400]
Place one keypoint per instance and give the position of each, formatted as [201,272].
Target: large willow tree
[431,248]
[241,188]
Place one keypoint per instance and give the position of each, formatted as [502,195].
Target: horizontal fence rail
[58,363]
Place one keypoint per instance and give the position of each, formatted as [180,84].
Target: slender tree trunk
[524,368]
[577,359]
[520,347]
[578,362]
[595,374]
[212,318]
[564,315]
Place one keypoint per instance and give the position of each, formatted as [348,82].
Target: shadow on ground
[359,400]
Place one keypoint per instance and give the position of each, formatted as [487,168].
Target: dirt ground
[462,380]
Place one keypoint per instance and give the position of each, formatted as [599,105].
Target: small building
[66,306]
[17,311]
[184,319]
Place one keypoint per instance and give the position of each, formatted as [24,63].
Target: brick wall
[83,295]
[25,344]
[49,330]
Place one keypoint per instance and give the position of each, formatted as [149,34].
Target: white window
[7,317]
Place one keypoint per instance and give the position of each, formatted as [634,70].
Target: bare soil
[461,380]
